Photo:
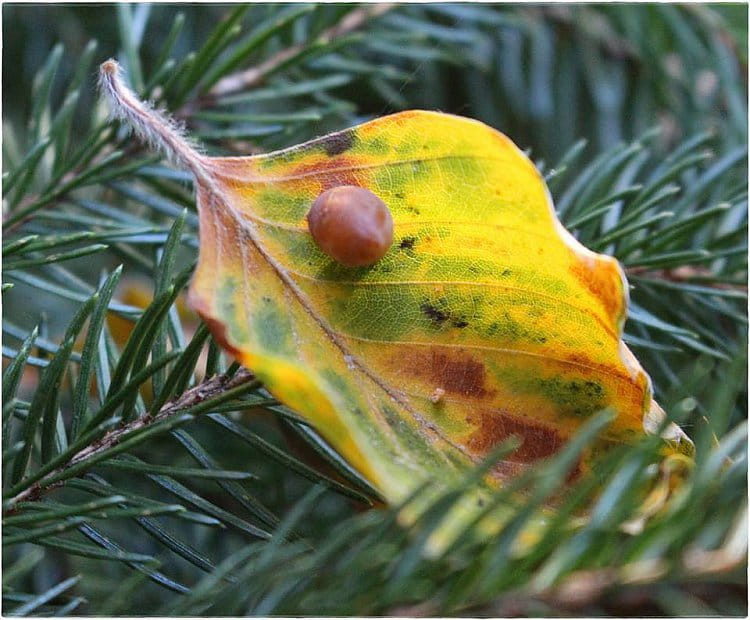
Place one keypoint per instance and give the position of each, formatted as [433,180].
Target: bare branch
[255,75]
[683,273]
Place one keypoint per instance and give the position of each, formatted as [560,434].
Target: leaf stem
[153,126]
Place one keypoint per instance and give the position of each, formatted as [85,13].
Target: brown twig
[253,76]
[207,390]
[684,273]
[593,25]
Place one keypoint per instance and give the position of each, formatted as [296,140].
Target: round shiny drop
[352,225]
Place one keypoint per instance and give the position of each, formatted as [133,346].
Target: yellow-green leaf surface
[485,319]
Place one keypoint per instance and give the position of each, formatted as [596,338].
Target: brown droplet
[352,225]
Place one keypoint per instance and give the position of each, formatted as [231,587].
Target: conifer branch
[208,390]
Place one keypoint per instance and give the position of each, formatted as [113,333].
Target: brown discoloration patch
[493,427]
[580,358]
[217,328]
[400,118]
[503,470]
[588,368]
[439,316]
[455,373]
[333,172]
[435,314]
[539,442]
[464,376]
[603,281]
[407,243]
[337,143]
[576,472]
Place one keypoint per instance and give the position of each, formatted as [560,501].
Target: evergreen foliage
[144,473]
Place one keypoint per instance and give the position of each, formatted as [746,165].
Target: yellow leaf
[486,319]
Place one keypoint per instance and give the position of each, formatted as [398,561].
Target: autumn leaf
[485,319]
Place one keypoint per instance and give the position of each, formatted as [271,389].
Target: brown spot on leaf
[337,143]
[455,373]
[333,172]
[580,358]
[575,473]
[407,243]
[434,313]
[493,427]
[217,328]
[538,442]
[440,316]
[462,376]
